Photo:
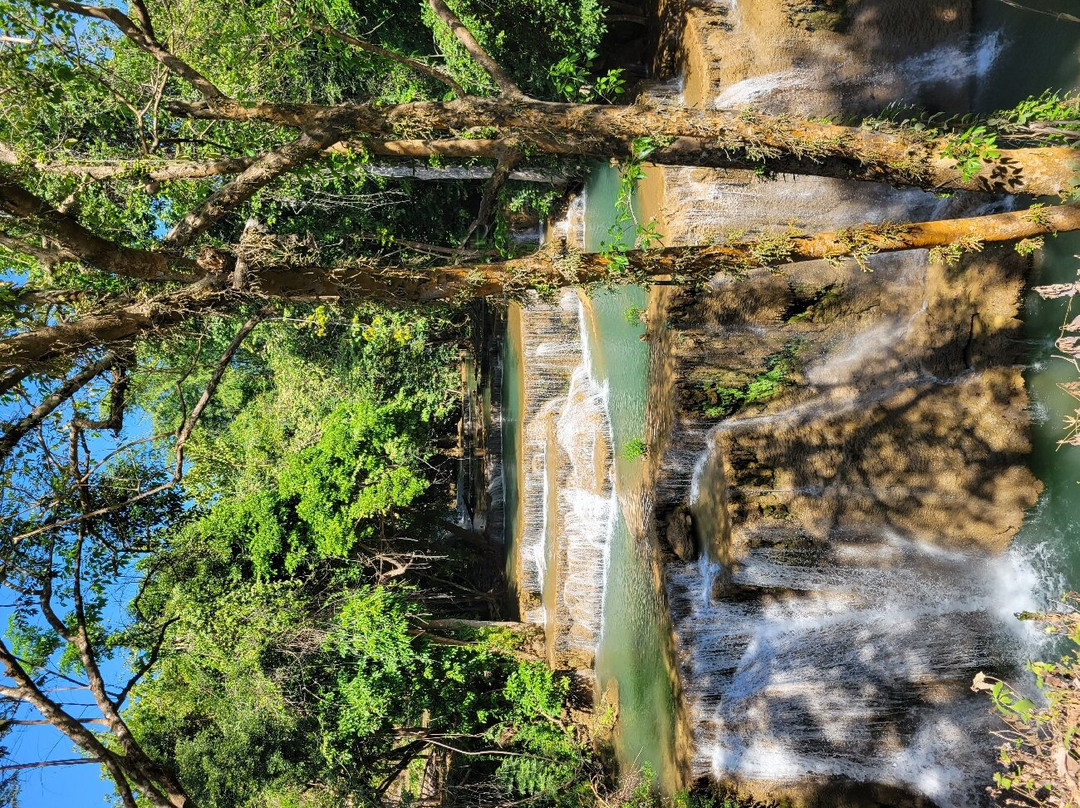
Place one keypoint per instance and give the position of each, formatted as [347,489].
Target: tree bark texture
[546,269]
[697,137]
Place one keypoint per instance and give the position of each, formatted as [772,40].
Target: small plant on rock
[634,449]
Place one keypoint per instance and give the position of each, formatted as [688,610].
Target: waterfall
[846,662]
[847,589]
[494,471]
[551,349]
[949,64]
[568,491]
[840,606]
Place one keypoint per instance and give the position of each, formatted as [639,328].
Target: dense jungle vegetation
[228,429]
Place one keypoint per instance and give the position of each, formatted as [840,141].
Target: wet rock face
[856,515]
[853,440]
[854,57]
[567,483]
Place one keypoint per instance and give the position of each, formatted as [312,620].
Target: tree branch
[507,86]
[41,764]
[89,247]
[148,663]
[48,257]
[16,432]
[183,432]
[144,39]
[115,324]
[181,169]
[143,16]
[117,403]
[28,722]
[1055,14]
[27,690]
[509,158]
[378,50]
[260,173]
[707,138]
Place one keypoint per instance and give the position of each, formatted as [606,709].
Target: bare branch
[183,432]
[509,158]
[1057,15]
[147,664]
[27,690]
[507,86]
[28,722]
[378,50]
[117,401]
[41,764]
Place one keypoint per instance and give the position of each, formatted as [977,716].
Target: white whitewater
[948,65]
[842,670]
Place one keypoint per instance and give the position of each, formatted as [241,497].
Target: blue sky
[80,785]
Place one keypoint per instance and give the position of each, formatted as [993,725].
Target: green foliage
[778,369]
[950,254]
[550,770]
[1036,214]
[222,705]
[535,690]
[1059,109]
[326,444]
[570,76]
[647,236]
[1043,738]
[373,622]
[1028,246]
[526,37]
[970,149]
[634,449]
[365,464]
[32,643]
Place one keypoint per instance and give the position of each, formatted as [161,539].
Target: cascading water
[844,594]
[843,597]
[845,660]
[847,586]
[950,64]
[568,486]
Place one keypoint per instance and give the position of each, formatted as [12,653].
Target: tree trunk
[697,137]
[89,247]
[541,270]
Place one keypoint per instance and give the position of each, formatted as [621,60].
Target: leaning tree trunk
[680,136]
[545,269]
